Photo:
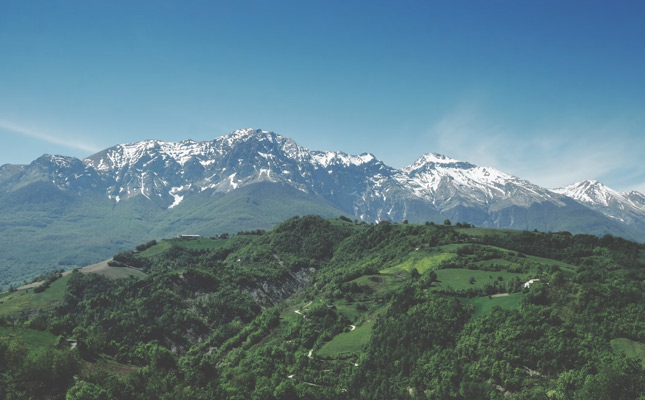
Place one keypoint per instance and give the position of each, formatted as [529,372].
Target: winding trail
[300,313]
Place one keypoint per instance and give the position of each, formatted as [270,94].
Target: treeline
[570,248]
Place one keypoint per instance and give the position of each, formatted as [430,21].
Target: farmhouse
[189,236]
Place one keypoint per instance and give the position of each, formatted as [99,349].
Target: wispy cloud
[61,140]
[550,157]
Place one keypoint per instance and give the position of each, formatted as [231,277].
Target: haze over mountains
[64,211]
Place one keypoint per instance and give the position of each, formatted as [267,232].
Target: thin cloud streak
[548,157]
[47,137]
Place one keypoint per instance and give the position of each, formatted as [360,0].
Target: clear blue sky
[552,90]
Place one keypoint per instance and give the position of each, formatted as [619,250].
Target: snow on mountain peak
[435,160]
[620,206]
[440,178]
[327,158]
[590,191]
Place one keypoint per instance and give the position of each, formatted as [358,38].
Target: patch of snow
[231,180]
[177,198]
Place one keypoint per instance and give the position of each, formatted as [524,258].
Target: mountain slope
[251,179]
[628,208]
[320,309]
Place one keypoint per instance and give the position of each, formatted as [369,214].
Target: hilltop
[318,308]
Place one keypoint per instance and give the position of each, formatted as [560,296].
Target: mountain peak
[589,191]
[57,160]
[250,131]
[597,194]
[436,160]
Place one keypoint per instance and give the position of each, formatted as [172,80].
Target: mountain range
[63,211]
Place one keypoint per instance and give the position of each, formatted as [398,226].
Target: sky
[552,91]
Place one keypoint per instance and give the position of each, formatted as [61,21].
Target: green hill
[320,309]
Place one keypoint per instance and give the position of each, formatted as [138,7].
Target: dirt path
[499,295]
[303,308]
[30,285]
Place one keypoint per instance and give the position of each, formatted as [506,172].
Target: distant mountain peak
[589,191]
[625,207]
[178,175]
[435,160]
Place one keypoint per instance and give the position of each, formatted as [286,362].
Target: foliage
[318,309]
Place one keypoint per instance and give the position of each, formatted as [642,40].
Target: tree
[447,222]
[85,391]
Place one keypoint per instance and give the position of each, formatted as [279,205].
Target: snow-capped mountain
[65,211]
[166,172]
[628,208]
[433,187]
[449,183]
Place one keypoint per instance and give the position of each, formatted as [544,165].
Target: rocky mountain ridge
[167,173]
[63,211]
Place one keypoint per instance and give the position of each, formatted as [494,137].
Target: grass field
[379,283]
[422,261]
[459,278]
[484,305]
[566,268]
[27,299]
[105,363]
[105,270]
[629,347]
[486,263]
[29,337]
[348,343]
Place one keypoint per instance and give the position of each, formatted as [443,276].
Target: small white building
[527,284]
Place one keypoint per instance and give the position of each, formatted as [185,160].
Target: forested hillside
[335,309]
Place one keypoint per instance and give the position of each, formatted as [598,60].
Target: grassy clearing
[29,337]
[348,343]
[459,278]
[379,283]
[484,305]
[487,263]
[629,347]
[349,311]
[26,299]
[340,222]
[105,270]
[421,261]
[547,261]
[105,363]
[450,248]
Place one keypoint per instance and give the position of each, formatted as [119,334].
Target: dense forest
[335,309]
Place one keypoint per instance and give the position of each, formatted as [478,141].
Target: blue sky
[551,91]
